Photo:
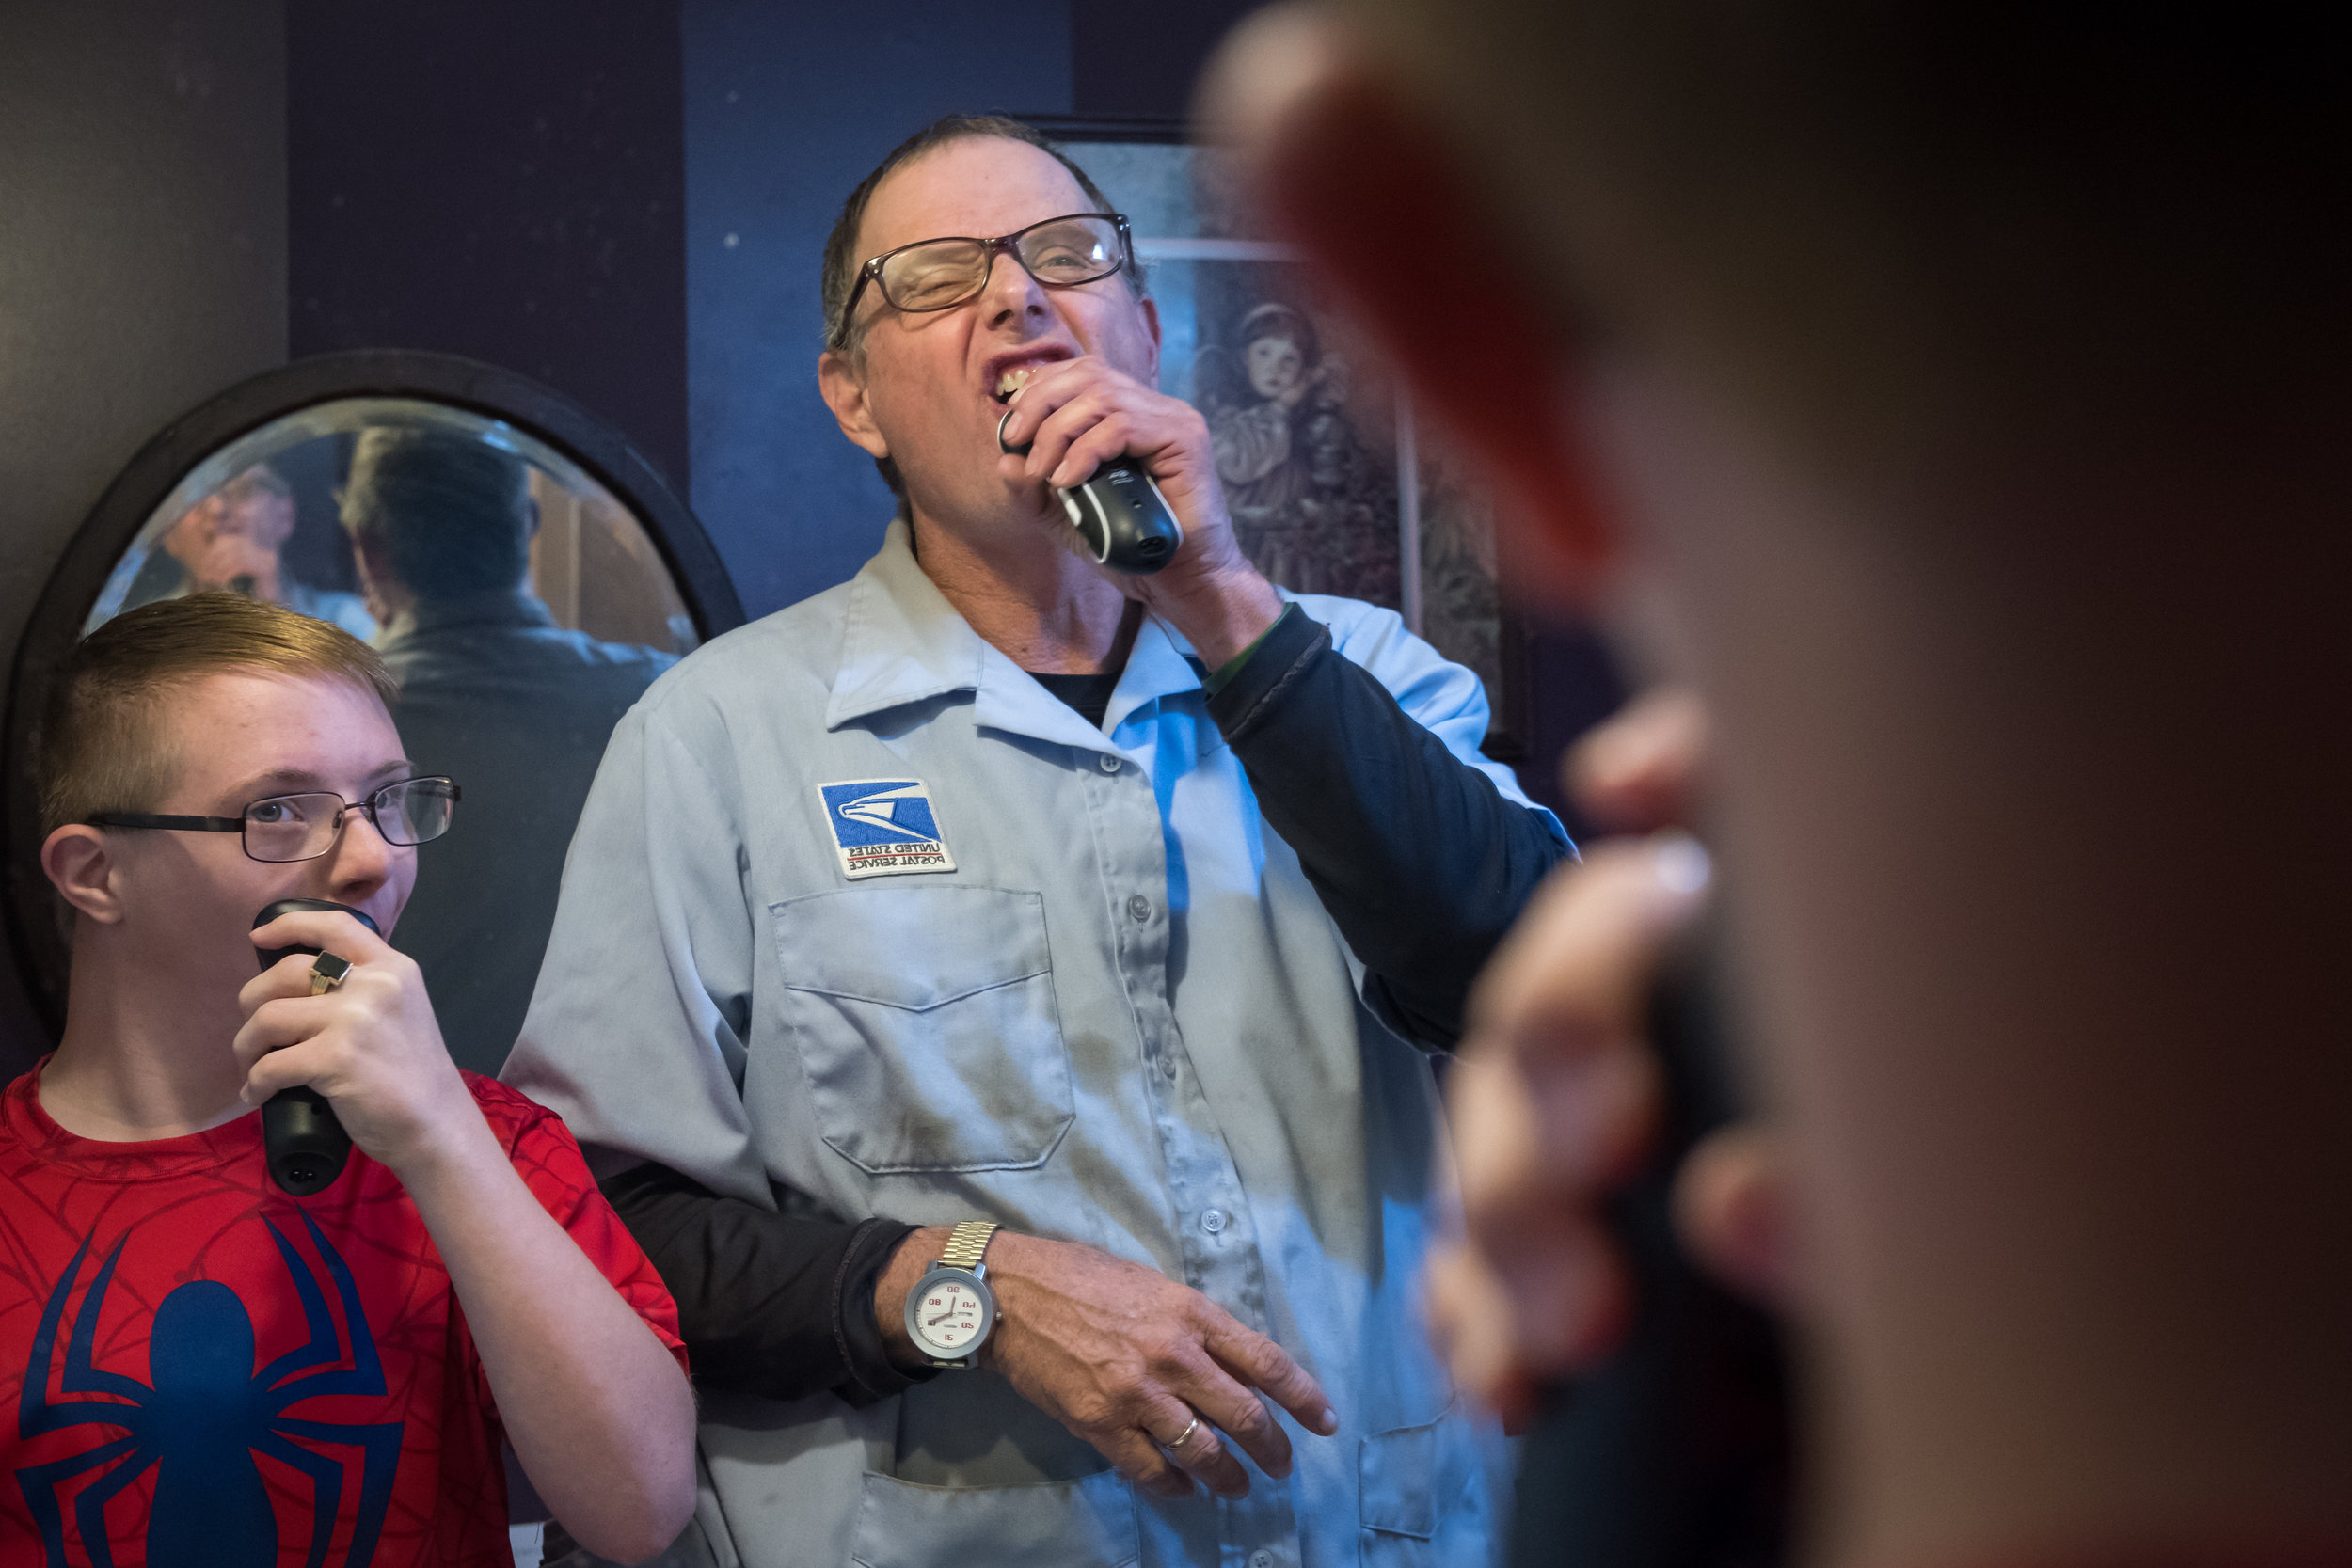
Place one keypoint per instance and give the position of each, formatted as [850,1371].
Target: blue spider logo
[204,1419]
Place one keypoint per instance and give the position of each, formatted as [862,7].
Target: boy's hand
[371,1045]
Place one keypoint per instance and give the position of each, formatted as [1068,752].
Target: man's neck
[138,1063]
[1038,604]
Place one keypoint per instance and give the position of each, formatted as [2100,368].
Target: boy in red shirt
[202,1367]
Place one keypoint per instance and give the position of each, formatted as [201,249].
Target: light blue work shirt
[1122,1018]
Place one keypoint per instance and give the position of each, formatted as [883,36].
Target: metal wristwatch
[951,1310]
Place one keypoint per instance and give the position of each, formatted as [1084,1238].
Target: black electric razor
[1121,518]
[306,1147]
[1679,1451]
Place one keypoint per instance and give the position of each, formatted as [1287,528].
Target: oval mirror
[523,572]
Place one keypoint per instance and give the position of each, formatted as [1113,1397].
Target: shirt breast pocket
[926,1020]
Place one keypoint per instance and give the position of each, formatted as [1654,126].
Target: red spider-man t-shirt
[198,1368]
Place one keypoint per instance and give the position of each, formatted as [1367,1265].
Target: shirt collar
[499,607]
[904,643]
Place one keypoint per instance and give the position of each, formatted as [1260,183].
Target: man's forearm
[775,1305]
[594,1402]
[1421,861]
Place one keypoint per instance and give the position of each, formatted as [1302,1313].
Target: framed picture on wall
[1334,487]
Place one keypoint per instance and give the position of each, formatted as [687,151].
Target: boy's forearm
[593,1402]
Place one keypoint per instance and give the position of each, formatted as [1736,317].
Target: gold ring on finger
[1184,1436]
[328,972]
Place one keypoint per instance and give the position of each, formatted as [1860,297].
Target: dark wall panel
[1140,62]
[501,181]
[142,261]
[787,108]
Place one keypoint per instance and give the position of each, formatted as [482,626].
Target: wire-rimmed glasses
[939,274]
[283,828]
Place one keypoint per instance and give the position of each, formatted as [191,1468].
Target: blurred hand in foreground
[1557,1099]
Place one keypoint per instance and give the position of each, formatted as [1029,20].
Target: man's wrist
[910,1260]
[1223,674]
[1223,614]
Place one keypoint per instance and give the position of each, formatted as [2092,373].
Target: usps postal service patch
[885,828]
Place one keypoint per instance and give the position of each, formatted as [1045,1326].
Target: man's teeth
[1012,381]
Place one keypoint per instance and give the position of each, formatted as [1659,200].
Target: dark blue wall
[499,181]
[787,108]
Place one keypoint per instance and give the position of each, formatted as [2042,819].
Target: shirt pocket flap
[1073,1523]
[1397,1472]
[915,948]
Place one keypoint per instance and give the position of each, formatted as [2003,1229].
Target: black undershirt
[1419,860]
[1088,696]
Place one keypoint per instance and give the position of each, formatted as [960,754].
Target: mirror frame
[147,480]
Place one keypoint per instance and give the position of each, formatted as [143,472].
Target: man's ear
[79,864]
[386,595]
[1375,196]
[843,386]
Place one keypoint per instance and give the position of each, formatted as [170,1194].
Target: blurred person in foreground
[234,539]
[1962,391]
[1095,931]
[185,1391]
[491,690]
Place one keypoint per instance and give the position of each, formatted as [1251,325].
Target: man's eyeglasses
[303,827]
[939,274]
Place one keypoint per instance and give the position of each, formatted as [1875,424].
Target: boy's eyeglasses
[284,827]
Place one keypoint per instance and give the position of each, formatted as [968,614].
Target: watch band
[967,1243]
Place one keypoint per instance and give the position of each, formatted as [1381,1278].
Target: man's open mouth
[1014,374]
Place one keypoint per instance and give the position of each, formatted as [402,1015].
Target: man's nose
[1009,294]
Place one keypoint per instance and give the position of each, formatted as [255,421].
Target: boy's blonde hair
[102,746]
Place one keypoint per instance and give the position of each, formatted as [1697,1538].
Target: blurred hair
[842,261]
[451,516]
[1924,227]
[102,744]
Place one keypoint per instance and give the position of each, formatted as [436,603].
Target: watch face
[949,1317]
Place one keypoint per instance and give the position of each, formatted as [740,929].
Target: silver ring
[1184,1436]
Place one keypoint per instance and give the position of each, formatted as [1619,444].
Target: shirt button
[1138,907]
[1168,1065]
[1110,763]
[1212,1221]
[1260,1560]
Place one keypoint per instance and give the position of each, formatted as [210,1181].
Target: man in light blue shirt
[1117,913]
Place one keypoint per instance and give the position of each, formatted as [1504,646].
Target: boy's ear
[79,864]
[843,392]
[1376,194]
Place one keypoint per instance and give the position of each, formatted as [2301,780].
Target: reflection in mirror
[521,607]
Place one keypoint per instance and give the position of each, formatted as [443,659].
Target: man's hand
[1126,1358]
[371,1045]
[1077,415]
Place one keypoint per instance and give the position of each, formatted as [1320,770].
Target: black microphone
[1679,1451]
[306,1147]
[1122,517]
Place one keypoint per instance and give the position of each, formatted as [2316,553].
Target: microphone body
[1121,518]
[305,1144]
